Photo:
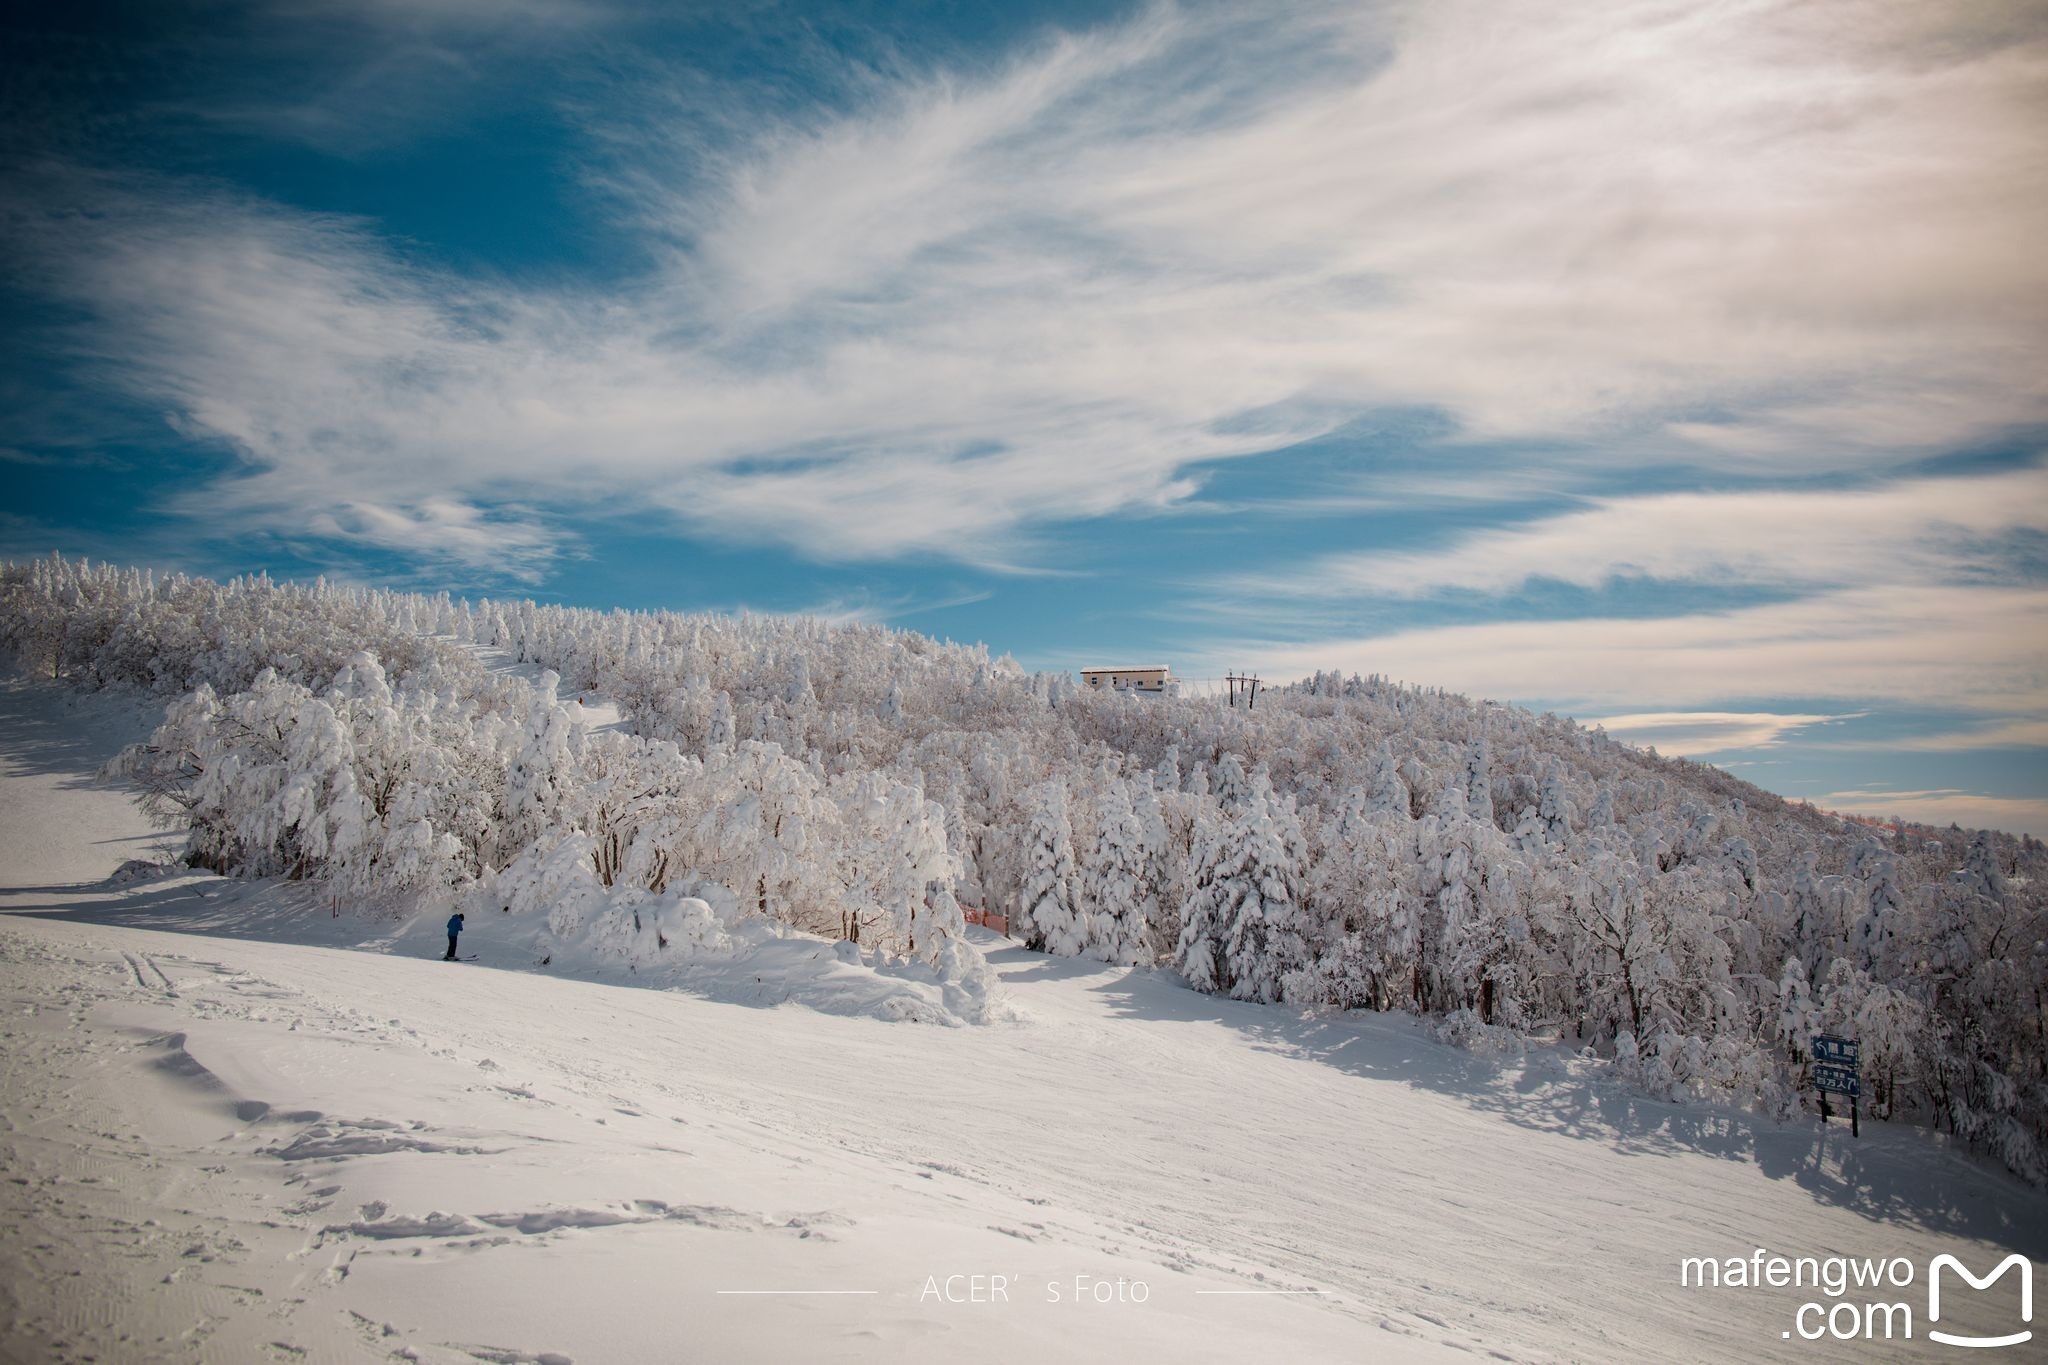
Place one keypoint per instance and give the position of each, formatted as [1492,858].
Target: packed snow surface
[238,1126]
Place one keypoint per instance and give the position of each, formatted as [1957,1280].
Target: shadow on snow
[1893,1173]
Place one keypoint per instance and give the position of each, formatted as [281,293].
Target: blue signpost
[1835,1062]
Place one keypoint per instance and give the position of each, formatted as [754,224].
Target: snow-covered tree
[1049,911]
[1478,781]
[1796,1010]
[1117,895]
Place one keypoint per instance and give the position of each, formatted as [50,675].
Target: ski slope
[238,1127]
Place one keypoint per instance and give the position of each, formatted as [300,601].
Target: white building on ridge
[1152,678]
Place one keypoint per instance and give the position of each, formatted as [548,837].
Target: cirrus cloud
[1981,649]
[1687,733]
[969,304]
[1943,806]
[1922,530]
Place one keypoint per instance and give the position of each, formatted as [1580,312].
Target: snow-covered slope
[1350,844]
[266,1145]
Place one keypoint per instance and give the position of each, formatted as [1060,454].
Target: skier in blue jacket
[454,928]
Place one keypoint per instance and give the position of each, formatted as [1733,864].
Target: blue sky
[1679,366]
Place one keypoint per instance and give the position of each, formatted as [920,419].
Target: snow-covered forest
[1351,844]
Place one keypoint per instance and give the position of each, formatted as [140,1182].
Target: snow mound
[691,936]
[1466,1031]
[141,870]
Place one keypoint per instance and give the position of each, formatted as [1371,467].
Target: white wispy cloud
[2012,734]
[1685,733]
[980,302]
[1911,591]
[1982,649]
[1923,530]
[1946,806]
[499,541]
[862,607]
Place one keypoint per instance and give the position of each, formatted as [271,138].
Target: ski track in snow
[278,1146]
